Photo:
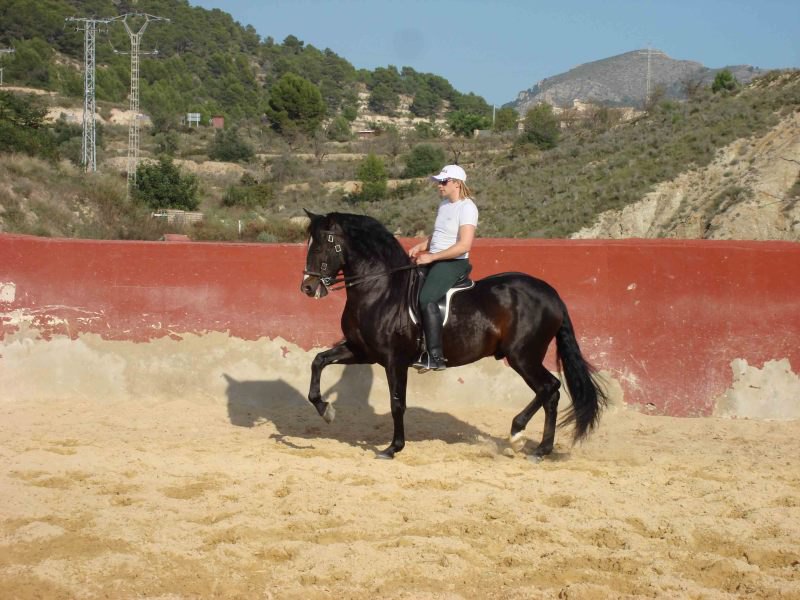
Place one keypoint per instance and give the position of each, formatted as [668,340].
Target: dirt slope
[743,194]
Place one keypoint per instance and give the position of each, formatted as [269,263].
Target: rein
[329,282]
[332,280]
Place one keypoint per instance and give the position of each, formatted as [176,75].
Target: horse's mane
[369,239]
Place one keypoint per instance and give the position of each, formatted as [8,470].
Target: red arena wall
[664,317]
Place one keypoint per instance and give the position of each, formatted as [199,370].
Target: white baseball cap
[451,172]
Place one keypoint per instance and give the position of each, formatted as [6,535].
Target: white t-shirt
[450,217]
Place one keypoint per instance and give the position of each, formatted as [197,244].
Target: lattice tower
[4,51]
[648,78]
[133,129]
[88,142]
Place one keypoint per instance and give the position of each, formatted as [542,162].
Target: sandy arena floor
[256,497]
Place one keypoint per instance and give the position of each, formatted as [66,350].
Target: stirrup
[425,363]
[422,364]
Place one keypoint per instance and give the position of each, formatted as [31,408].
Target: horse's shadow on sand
[255,403]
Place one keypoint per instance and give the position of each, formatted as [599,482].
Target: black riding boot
[433,359]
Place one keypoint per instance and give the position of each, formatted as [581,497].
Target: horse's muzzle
[313,287]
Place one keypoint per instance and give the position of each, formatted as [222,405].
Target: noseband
[329,280]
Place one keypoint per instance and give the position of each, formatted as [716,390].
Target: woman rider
[446,251]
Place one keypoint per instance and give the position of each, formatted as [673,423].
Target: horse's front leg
[397,375]
[341,354]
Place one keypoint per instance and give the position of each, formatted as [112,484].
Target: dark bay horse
[510,315]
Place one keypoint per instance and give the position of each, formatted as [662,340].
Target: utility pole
[648,79]
[133,129]
[4,51]
[88,147]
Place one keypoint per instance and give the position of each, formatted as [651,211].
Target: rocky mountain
[622,80]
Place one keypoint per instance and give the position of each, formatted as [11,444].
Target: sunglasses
[445,181]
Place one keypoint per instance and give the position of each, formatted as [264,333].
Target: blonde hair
[464,191]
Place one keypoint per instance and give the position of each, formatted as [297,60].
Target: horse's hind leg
[340,354]
[545,385]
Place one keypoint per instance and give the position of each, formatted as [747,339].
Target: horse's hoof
[518,441]
[535,458]
[387,454]
[542,451]
[330,413]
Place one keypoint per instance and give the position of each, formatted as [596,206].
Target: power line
[88,146]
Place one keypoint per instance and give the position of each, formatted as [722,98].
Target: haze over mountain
[622,80]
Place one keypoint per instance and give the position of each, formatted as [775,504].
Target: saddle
[463,283]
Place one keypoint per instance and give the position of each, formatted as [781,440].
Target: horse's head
[324,257]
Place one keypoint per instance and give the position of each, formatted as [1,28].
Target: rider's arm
[466,234]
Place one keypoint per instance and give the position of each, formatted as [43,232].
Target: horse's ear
[310,214]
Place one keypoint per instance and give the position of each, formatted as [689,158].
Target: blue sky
[498,48]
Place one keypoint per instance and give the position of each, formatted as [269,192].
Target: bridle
[330,280]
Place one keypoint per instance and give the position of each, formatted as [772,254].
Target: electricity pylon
[4,51]
[648,88]
[88,147]
[133,129]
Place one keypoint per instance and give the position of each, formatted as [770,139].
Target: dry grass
[58,200]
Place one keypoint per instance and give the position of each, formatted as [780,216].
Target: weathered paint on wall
[666,317]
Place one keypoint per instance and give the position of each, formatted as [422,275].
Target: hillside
[751,191]
[622,80]
[559,192]
[719,165]
[198,60]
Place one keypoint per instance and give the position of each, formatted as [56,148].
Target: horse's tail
[588,396]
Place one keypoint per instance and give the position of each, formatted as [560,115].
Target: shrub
[167,142]
[372,175]
[724,81]
[287,168]
[161,185]
[228,146]
[541,127]
[423,159]
[426,131]
[22,127]
[339,129]
[506,119]
[273,229]
[248,194]
[464,124]
[350,112]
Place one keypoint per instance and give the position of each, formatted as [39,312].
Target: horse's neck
[361,266]
[387,288]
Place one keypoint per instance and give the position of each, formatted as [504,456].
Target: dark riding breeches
[441,276]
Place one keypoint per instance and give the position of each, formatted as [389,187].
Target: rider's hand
[415,250]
